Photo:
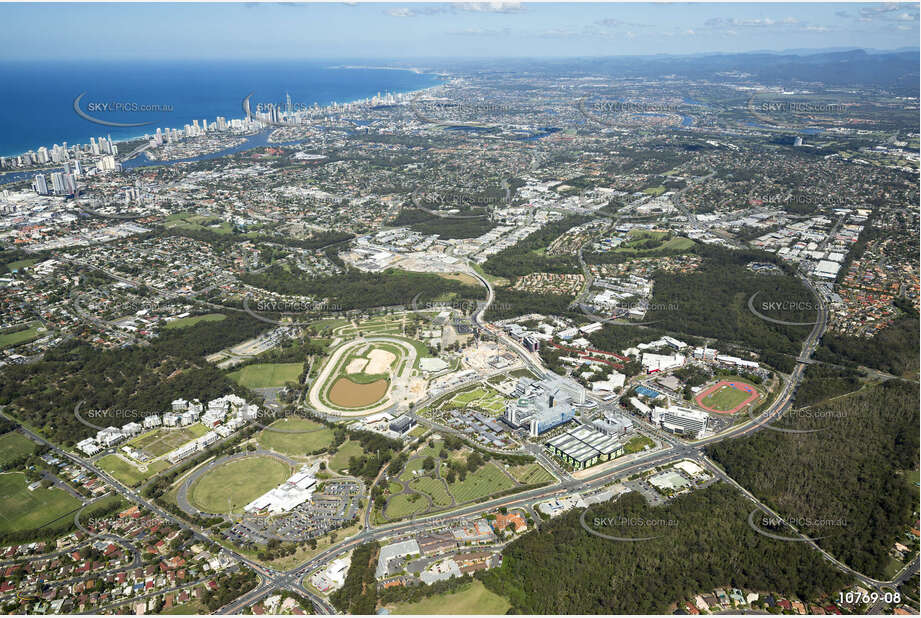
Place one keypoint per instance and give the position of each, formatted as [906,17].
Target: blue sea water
[37,106]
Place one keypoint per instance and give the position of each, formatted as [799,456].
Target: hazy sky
[358,30]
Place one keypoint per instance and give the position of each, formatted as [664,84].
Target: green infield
[22,509]
[234,484]
[340,461]
[14,445]
[267,375]
[17,337]
[727,396]
[472,598]
[296,437]
[192,320]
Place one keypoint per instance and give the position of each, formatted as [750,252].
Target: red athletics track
[742,386]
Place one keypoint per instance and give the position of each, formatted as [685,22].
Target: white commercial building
[681,420]
[293,492]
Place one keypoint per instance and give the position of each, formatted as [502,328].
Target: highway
[272,581]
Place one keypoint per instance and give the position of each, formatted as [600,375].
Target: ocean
[38,104]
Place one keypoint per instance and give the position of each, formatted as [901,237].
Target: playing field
[727,396]
[349,449]
[21,509]
[161,441]
[192,320]
[267,375]
[235,484]
[14,445]
[473,598]
[17,337]
[295,436]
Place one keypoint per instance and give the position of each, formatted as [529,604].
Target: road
[676,451]
[272,581]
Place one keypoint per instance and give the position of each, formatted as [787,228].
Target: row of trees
[359,290]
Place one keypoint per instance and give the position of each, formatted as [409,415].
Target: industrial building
[584,447]
[402,424]
[692,423]
[614,424]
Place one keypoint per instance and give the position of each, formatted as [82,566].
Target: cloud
[879,9]
[613,22]
[402,12]
[842,14]
[487,32]
[458,7]
[489,7]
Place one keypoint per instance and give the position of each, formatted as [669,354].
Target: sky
[261,31]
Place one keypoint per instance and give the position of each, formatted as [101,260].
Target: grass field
[14,445]
[17,337]
[473,598]
[192,320]
[433,487]
[636,444]
[484,482]
[405,505]
[161,441]
[237,483]
[486,399]
[311,436]
[727,397]
[20,264]
[267,375]
[530,473]
[22,509]
[127,473]
[349,449]
[638,242]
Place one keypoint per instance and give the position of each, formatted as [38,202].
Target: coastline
[30,173]
[440,76]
